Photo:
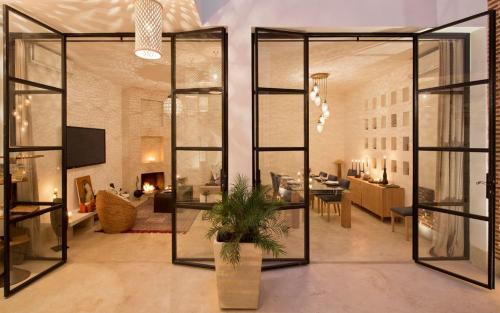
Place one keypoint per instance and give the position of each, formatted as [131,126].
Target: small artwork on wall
[86,196]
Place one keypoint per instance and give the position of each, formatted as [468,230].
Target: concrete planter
[239,287]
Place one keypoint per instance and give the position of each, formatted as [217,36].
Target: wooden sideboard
[375,197]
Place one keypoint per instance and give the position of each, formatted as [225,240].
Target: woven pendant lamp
[148,29]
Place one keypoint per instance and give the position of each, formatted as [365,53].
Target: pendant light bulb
[324,106]
[317,100]
[319,128]
[322,120]
[312,95]
[326,113]
[316,88]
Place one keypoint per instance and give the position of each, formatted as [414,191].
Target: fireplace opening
[152,181]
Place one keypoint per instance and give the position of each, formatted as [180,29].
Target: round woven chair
[116,215]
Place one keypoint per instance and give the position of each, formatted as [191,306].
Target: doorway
[463,211]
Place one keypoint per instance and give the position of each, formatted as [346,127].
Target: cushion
[404,211]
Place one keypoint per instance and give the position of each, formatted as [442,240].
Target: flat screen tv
[85,146]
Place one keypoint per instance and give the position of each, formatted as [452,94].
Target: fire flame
[148,188]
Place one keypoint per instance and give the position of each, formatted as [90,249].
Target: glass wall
[34,176]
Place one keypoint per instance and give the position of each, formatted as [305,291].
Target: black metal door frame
[222,36]
[490,150]
[257,90]
[8,97]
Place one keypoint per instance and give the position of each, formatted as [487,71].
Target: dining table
[318,186]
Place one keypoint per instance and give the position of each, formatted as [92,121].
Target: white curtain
[28,190]
[448,234]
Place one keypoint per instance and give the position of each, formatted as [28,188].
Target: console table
[376,198]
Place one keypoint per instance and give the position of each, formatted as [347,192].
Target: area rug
[150,222]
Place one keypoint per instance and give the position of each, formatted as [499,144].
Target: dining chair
[344,183]
[331,200]
[332,177]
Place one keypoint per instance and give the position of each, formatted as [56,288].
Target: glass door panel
[280,137]
[454,154]
[199,141]
[34,180]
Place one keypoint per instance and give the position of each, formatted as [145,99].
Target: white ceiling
[105,15]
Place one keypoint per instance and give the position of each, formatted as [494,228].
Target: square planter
[238,286]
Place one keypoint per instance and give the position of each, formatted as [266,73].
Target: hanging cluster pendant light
[318,95]
[148,29]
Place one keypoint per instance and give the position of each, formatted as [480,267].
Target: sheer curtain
[28,190]
[448,235]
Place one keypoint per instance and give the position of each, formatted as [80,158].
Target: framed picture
[84,189]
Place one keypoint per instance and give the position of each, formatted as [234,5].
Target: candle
[352,164]
[385,160]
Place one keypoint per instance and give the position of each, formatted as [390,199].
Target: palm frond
[247,214]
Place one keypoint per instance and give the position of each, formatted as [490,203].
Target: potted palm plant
[245,223]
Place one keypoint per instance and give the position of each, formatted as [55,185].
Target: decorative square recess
[394,166]
[394,143]
[406,168]
[394,120]
[406,143]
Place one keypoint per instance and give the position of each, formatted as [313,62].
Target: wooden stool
[16,274]
[406,213]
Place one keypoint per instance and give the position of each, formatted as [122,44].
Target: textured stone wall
[95,102]
[367,106]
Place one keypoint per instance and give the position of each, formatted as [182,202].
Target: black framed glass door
[454,153]
[34,157]
[281,146]
[199,139]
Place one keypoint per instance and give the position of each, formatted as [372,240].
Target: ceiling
[86,16]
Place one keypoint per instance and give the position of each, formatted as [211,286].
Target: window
[383,122]
[394,143]
[374,123]
[406,168]
[374,143]
[374,103]
[382,101]
[383,143]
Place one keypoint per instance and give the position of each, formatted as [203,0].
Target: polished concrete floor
[363,269]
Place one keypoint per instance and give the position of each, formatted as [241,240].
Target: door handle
[481,182]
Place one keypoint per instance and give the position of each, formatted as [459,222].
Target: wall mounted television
[85,146]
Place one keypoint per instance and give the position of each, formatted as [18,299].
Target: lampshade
[148,29]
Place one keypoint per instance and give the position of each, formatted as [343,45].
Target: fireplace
[153,181]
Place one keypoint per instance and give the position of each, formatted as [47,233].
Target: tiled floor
[363,269]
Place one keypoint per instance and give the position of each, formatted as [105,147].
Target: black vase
[138,193]
[384,177]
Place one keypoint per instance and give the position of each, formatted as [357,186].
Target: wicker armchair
[116,215]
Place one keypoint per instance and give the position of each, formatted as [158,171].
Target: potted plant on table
[245,223]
